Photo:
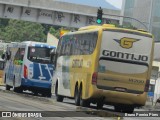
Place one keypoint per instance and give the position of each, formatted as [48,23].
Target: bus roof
[31,43]
[110,26]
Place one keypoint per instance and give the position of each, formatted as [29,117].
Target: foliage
[126,25]
[129,26]
[3,24]
[17,31]
[54,32]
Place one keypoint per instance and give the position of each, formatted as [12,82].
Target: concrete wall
[58,6]
[54,12]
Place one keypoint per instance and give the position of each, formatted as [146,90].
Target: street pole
[130,18]
[150,17]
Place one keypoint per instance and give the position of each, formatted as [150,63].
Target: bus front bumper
[36,83]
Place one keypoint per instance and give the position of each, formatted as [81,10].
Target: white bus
[29,67]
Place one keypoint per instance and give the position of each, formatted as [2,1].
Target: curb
[29,96]
[100,113]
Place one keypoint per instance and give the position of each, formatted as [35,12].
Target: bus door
[18,62]
[124,61]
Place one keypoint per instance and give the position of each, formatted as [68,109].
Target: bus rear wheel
[124,108]
[18,89]
[100,104]
[47,93]
[77,96]
[59,98]
[117,108]
[128,109]
[8,87]
[83,103]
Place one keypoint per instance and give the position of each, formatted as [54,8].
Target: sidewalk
[151,106]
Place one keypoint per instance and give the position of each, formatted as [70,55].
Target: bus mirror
[53,52]
[53,56]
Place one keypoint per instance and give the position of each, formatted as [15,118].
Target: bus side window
[22,51]
[87,39]
[75,48]
[78,44]
[67,50]
[74,45]
[71,44]
[19,56]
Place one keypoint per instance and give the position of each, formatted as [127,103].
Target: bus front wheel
[17,89]
[58,97]
[83,103]
[99,104]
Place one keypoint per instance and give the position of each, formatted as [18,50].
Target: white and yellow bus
[104,65]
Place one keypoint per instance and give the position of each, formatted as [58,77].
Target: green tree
[54,32]
[3,24]
[18,31]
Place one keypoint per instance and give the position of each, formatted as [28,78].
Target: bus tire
[59,98]
[35,93]
[49,94]
[77,96]
[83,103]
[100,104]
[18,89]
[8,87]
[5,79]
[117,108]
[127,109]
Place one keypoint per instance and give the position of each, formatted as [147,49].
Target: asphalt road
[10,101]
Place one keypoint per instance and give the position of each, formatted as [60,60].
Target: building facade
[146,11]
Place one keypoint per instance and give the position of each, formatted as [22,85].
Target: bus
[104,65]
[2,64]
[29,67]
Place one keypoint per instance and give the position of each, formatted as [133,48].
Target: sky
[116,3]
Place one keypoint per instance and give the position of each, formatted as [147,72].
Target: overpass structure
[54,12]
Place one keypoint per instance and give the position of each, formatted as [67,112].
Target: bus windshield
[39,54]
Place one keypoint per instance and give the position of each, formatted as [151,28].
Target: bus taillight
[25,71]
[146,86]
[94,78]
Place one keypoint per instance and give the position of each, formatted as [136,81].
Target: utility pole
[130,18]
[150,17]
